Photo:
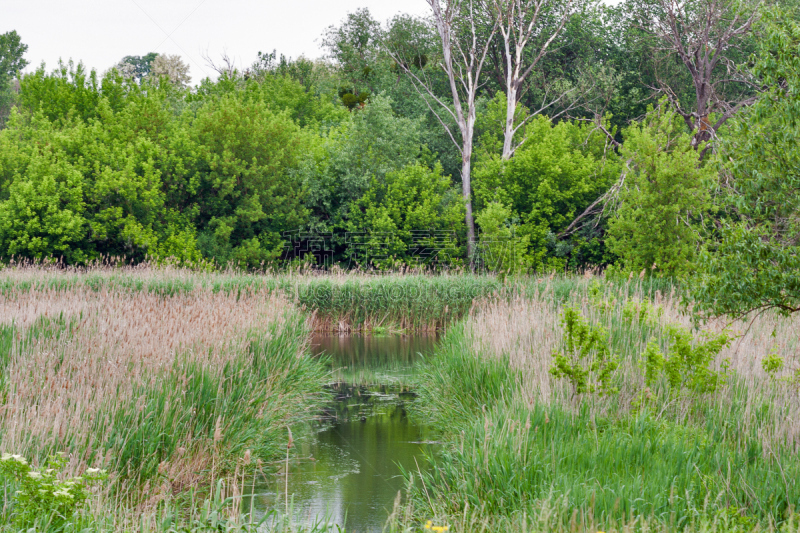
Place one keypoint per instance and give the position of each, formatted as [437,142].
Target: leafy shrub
[42,496]
[555,174]
[686,366]
[587,361]
[502,248]
[413,215]
[665,192]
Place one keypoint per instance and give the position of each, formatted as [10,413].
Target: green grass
[694,462]
[189,423]
[514,459]
[634,466]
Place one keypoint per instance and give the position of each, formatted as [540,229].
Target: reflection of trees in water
[372,351]
[349,467]
[381,403]
[360,441]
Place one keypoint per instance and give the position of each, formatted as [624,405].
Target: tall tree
[12,50]
[12,60]
[523,24]
[136,67]
[463,56]
[171,67]
[755,266]
[709,39]
[354,47]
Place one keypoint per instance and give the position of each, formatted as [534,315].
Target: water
[347,468]
[379,360]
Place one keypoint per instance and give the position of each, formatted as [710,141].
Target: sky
[101,32]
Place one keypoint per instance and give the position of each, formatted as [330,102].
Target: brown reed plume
[107,353]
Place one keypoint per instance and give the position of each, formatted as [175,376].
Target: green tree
[100,182]
[354,46]
[248,190]
[280,92]
[665,193]
[414,217]
[136,68]
[67,91]
[12,52]
[755,265]
[42,208]
[501,246]
[12,60]
[552,178]
[302,70]
[371,143]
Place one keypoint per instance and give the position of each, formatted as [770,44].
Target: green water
[373,360]
[347,467]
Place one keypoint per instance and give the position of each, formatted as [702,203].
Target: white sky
[101,32]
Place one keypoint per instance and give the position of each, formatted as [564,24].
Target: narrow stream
[347,469]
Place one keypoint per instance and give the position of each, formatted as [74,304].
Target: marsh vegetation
[558,403]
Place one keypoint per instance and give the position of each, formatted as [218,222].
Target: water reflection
[348,466]
[364,359]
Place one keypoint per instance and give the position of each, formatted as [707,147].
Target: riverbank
[169,392]
[151,402]
[162,393]
[653,427]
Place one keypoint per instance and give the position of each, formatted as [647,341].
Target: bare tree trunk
[466,185]
[518,22]
[464,82]
[511,111]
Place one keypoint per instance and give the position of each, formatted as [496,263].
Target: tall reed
[521,443]
[337,302]
[165,390]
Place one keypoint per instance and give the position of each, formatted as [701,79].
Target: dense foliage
[756,264]
[355,159]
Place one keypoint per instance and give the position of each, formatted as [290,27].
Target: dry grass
[527,331]
[166,392]
[118,343]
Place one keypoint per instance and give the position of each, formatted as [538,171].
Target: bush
[42,499]
[666,192]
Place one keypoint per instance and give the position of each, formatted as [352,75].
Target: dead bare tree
[521,25]
[225,67]
[463,55]
[706,36]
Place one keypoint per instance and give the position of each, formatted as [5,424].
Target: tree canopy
[606,152]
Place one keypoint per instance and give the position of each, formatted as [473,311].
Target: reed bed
[166,390]
[175,381]
[523,445]
[336,301]
[392,302]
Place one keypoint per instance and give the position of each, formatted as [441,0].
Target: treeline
[641,135]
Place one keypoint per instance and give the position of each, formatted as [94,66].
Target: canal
[346,468]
